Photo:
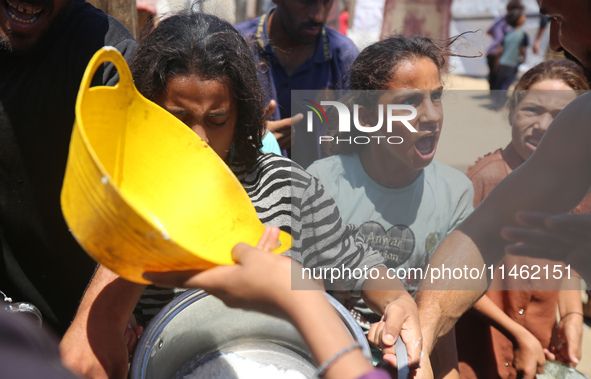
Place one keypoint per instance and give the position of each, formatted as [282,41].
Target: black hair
[513,16]
[514,4]
[203,45]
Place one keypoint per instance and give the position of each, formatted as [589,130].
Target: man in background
[295,51]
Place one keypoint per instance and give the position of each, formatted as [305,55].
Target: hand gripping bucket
[142,192]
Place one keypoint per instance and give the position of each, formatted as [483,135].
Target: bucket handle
[284,243]
[106,54]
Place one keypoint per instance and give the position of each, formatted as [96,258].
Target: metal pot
[197,327]
[558,370]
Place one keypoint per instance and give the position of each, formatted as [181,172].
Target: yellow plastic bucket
[142,192]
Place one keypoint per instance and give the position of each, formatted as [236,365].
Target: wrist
[573,317]
[299,305]
[324,366]
[572,321]
[377,298]
[520,336]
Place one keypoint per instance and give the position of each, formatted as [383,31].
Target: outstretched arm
[539,34]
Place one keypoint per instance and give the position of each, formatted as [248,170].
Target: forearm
[570,308]
[570,327]
[94,346]
[496,317]
[569,300]
[539,35]
[108,294]
[442,302]
[325,333]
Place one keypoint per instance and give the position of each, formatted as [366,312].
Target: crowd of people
[232,86]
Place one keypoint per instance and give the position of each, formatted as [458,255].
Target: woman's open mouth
[425,146]
[22,13]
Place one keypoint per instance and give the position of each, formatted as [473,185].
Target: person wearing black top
[44,50]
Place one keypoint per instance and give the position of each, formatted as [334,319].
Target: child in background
[511,55]
[401,201]
[200,69]
[518,324]
[497,32]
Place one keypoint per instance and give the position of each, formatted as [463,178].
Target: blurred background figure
[497,32]
[427,18]
[365,22]
[479,16]
[510,55]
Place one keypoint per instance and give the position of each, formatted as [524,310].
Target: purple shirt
[497,31]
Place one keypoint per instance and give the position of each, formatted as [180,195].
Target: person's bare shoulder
[488,165]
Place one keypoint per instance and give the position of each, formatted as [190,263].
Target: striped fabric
[286,196]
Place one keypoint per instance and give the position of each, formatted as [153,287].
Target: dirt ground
[472,129]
